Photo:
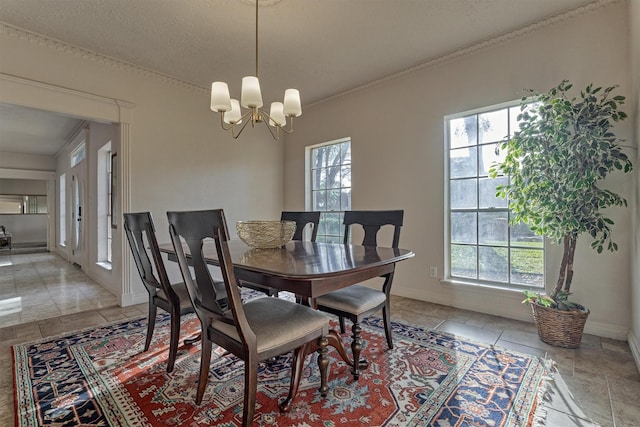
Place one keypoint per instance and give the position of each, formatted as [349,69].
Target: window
[78,154]
[62,203]
[481,246]
[330,186]
[104,205]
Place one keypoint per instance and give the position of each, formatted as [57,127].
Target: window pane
[319,157]
[521,235]
[346,152]
[493,228]
[493,126]
[527,267]
[513,119]
[494,264]
[488,197]
[319,200]
[333,200]
[345,202]
[463,162]
[463,194]
[463,227]
[464,261]
[346,176]
[333,177]
[463,132]
[319,177]
[488,157]
[332,223]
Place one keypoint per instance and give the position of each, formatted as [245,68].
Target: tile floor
[596,385]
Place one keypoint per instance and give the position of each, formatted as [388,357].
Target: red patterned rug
[99,377]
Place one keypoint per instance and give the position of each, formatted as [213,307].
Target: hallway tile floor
[597,385]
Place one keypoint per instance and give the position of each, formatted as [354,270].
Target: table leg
[336,341]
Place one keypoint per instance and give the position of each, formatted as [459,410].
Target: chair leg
[205,360]
[323,364]
[173,340]
[356,348]
[386,317]
[250,389]
[342,326]
[296,374]
[151,324]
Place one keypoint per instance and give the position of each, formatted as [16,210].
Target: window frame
[509,284]
[104,208]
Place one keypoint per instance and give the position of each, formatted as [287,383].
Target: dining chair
[302,220]
[358,301]
[256,330]
[172,298]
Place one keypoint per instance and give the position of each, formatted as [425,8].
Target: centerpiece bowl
[265,234]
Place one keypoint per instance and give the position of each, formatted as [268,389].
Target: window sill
[486,286]
[104,264]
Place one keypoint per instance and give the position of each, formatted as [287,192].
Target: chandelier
[234,119]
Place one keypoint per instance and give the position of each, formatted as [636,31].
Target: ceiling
[321,47]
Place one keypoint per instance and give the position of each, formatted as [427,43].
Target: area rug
[100,377]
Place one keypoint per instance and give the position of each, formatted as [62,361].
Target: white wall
[26,161]
[25,229]
[27,187]
[396,127]
[178,157]
[634,334]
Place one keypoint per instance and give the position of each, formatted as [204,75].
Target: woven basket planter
[559,328]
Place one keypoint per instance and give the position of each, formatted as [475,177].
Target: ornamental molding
[583,10]
[41,40]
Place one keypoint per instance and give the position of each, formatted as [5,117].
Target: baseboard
[501,303]
[634,345]
[133,299]
[505,304]
[606,330]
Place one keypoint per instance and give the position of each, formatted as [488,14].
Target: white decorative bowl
[265,234]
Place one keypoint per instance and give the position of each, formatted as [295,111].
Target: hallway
[38,286]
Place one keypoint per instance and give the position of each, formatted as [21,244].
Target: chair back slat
[302,219]
[141,232]
[371,222]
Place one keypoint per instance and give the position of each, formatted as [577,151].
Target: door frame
[36,94]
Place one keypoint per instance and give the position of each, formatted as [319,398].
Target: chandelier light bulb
[220,99]
[292,104]
[234,115]
[276,115]
[251,96]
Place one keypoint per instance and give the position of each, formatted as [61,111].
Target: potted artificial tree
[556,161]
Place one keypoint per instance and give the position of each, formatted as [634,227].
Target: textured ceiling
[321,47]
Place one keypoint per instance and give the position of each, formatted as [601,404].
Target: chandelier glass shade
[233,118]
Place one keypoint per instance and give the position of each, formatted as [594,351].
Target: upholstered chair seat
[356,299]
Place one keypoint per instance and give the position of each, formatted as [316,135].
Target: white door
[77,214]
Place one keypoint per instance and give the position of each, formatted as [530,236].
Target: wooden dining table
[308,269]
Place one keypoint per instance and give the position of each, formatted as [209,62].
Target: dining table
[307,269]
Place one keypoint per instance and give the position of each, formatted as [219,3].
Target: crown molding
[39,39]
[583,10]
[42,40]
